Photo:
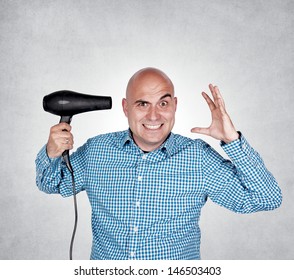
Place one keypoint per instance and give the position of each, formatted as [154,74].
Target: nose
[153,114]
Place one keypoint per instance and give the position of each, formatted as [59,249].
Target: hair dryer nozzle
[69,103]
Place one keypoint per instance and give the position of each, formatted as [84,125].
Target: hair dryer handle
[66,119]
[65,154]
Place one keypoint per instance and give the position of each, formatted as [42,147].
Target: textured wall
[246,47]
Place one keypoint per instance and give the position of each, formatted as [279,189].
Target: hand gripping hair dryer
[65,104]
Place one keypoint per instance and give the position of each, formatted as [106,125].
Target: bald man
[147,185]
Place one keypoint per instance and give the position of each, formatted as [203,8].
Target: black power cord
[76,216]
[68,165]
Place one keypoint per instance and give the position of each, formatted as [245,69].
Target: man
[147,185]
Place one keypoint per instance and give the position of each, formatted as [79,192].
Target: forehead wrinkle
[167,95]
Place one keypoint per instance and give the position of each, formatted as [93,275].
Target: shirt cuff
[43,157]
[238,149]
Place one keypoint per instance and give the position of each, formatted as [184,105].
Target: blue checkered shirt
[147,205]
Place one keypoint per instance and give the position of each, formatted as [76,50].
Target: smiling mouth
[152,127]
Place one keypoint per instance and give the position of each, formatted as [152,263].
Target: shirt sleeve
[52,175]
[242,184]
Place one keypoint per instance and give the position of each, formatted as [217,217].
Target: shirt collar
[168,145]
[127,138]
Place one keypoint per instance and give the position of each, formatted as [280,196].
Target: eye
[142,104]
[163,103]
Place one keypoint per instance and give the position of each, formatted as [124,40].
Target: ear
[125,106]
[176,103]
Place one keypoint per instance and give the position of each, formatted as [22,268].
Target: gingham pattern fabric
[147,206]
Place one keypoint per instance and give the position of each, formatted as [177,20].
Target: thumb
[200,130]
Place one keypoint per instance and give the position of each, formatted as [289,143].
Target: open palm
[221,127]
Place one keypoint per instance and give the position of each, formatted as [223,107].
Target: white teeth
[152,126]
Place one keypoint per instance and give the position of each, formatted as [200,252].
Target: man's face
[150,107]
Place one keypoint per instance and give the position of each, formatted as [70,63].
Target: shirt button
[138,203]
[132,254]
[140,178]
[136,229]
[144,156]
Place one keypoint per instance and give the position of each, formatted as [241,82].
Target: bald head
[150,107]
[149,80]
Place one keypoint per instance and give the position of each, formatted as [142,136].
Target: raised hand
[221,127]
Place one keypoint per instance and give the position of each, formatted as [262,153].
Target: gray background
[245,47]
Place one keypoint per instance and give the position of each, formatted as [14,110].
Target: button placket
[135,222]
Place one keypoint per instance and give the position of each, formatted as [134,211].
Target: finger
[210,103]
[65,143]
[212,90]
[61,136]
[67,147]
[64,134]
[221,108]
[220,101]
[200,130]
[219,97]
[65,140]
[64,126]
[69,141]
[61,127]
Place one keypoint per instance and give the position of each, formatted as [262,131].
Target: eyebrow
[162,97]
[166,95]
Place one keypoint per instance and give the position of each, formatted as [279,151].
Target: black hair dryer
[65,104]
